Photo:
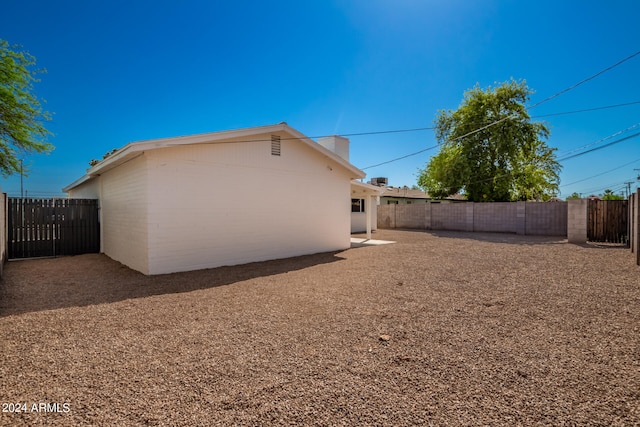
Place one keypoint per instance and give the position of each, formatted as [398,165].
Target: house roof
[134,149]
[362,189]
[404,192]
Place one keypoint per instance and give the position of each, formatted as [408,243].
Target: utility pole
[628,184]
[21,175]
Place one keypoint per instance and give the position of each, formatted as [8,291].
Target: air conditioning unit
[379,181]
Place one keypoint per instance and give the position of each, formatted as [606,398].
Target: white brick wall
[226,204]
[124,214]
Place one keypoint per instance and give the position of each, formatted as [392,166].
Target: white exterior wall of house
[224,204]
[123,213]
[209,200]
[365,222]
[88,190]
[359,220]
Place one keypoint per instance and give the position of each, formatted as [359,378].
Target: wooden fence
[52,227]
[634,225]
[607,221]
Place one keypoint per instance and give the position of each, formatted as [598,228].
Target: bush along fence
[527,218]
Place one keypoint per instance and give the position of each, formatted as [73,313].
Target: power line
[585,80]
[380,132]
[433,127]
[505,118]
[400,158]
[436,146]
[600,174]
[601,147]
[586,110]
[602,139]
[482,128]
[613,187]
[418,129]
[566,158]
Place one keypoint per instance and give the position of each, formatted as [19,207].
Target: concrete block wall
[495,217]
[451,216]
[577,220]
[546,219]
[410,216]
[386,216]
[519,217]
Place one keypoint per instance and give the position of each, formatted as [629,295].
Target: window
[357,205]
[275,145]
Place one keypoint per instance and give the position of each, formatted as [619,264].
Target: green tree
[574,196]
[21,115]
[491,150]
[610,195]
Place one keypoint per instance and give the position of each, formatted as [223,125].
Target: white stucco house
[364,207]
[223,198]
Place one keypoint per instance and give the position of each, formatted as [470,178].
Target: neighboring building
[407,196]
[223,198]
[403,196]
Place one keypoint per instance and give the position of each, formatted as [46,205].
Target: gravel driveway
[438,329]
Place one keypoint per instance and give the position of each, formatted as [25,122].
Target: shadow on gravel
[516,239]
[82,280]
[510,238]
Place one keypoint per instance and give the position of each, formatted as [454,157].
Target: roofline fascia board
[76,183]
[124,154]
[367,188]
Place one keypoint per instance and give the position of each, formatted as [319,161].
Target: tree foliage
[21,115]
[574,195]
[491,150]
[610,195]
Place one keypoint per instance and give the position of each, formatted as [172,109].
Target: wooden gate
[52,227]
[608,221]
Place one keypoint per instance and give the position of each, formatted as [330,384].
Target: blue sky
[123,71]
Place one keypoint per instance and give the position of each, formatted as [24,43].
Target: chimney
[337,144]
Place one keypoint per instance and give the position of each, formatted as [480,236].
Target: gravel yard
[440,328]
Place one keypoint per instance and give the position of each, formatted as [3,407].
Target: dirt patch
[439,328]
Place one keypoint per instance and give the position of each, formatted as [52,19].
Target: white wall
[225,204]
[359,219]
[123,212]
[87,190]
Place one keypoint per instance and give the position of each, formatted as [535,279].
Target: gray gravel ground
[437,329]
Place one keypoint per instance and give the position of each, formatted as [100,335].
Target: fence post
[427,216]
[632,222]
[521,218]
[577,212]
[636,225]
[469,220]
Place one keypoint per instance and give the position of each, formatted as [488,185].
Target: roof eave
[131,149]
